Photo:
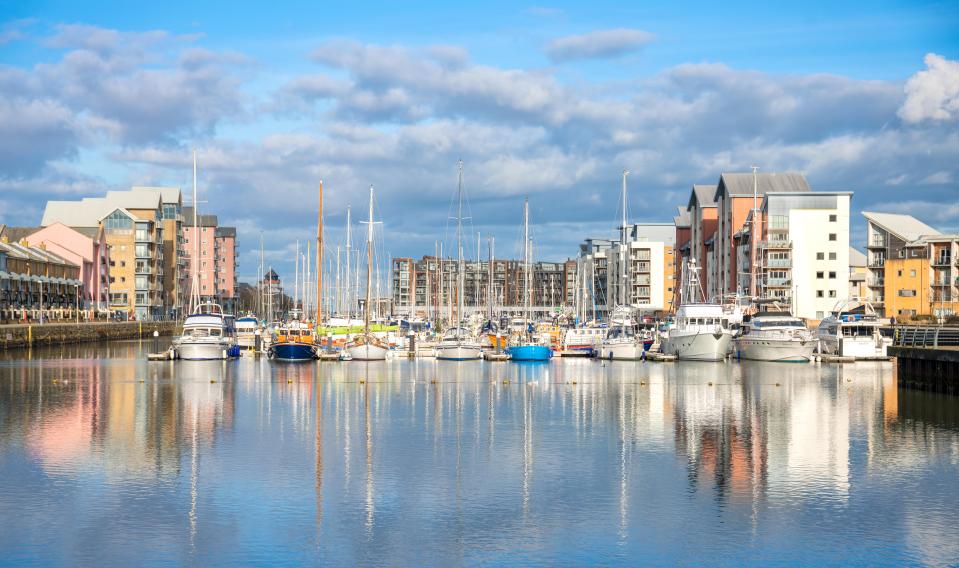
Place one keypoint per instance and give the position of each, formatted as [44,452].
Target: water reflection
[413,462]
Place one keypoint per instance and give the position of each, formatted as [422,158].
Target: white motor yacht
[207,334]
[457,345]
[701,331]
[853,329]
[775,336]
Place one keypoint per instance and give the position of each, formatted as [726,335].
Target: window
[118,220]
[832,293]
[819,294]
[832,218]
[832,236]
[820,256]
[819,315]
[907,293]
[832,256]
[912,273]
[123,264]
[832,275]
[819,275]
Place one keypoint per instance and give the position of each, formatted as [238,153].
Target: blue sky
[550,100]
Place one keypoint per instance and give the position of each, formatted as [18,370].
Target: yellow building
[907,287]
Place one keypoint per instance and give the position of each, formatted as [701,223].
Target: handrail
[926,337]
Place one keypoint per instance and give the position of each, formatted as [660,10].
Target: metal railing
[929,337]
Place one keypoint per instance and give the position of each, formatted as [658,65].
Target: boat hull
[631,351]
[204,351]
[367,352]
[698,346]
[457,352]
[859,347]
[293,351]
[781,350]
[529,353]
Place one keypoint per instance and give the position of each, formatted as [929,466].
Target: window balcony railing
[775,244]
[779,263]
[942,261]
[778,282]
[877,263]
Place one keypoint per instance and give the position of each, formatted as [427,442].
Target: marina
[569,460]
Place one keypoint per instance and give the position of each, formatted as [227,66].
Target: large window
[118,220]
[171,211]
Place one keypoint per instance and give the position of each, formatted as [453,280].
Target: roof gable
[905,227]
[741,185]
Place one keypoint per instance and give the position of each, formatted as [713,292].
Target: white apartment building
[804,250]
[648,273]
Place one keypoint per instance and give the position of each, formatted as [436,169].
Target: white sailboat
[208,333]
[366,347]
[621,341]
[458,343]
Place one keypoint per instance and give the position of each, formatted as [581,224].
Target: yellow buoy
[777,384]
[710,383]
[212,381]
[288,381]
[642,383]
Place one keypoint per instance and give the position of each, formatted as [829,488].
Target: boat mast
[489,292]
[526,276]
[369,267]
[319,262]
[349,281]
[460,281]
[625,255]
[195,281]
[754,235]
[296,276]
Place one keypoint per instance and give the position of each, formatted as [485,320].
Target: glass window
[832,218]
[832,236]
[832,256]
[117,220]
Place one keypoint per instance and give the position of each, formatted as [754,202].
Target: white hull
[367,352]
[784,350]
[631,351]
[453,352]
[246,340]
[702,346]
[860,347]
[201,351]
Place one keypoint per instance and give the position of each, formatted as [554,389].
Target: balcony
[779,282]
[779,263]
[876,282]
[142,269]
[877,243]
[775,245]
[877,263]
[942,261]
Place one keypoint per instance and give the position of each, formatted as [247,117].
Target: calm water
[106,459]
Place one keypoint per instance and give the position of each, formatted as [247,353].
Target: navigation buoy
[362,382]
[777,384]
[710,383]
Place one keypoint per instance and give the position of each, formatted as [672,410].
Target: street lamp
[76,309]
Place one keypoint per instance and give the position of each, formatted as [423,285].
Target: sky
[549,102]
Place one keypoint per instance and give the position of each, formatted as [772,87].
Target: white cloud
[932,94]
[598,44]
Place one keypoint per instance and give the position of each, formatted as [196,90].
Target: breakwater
[25,335]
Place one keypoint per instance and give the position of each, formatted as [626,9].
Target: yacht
[525,346]
[207,334]
[701,330]
[853,329]
[293,341]
[458,343]
[775,336]
[583,341]
[246,328]
[366,346]
[621,341]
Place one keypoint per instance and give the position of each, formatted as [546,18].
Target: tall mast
[625,255]
[754,236]
[526,276]
[369,267]
[195,282]
[319,262]
[260,304]
[459,248]
[489,291]
[440,303]
[296,276]
[307,273]
[349,281]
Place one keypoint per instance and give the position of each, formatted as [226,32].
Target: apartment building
[887,235]
[36,284]
[427,286]
[922,278]
[858,273]
[216,261]
[646,281]
[735,196]
[140,227]
[682,248]
[703,222]
[86,248]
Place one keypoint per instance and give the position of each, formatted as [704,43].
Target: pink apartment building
[215,262]
[86,248]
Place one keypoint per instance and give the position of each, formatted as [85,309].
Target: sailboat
[208,333]
[458,343]
[621,341]
[526,348]
[366,347]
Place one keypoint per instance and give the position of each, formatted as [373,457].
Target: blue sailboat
[526,348]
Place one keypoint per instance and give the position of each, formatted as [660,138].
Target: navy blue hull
[293,351]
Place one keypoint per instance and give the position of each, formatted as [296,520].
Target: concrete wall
[13,336]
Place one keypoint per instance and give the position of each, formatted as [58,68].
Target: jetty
[927,357]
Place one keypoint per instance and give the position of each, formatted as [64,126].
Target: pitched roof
[703,194]
[856,258]
[167,194]
[84,213]
[135,199]
[202,220]
[742,184]
[16,234]
[682,219]
[905,227]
